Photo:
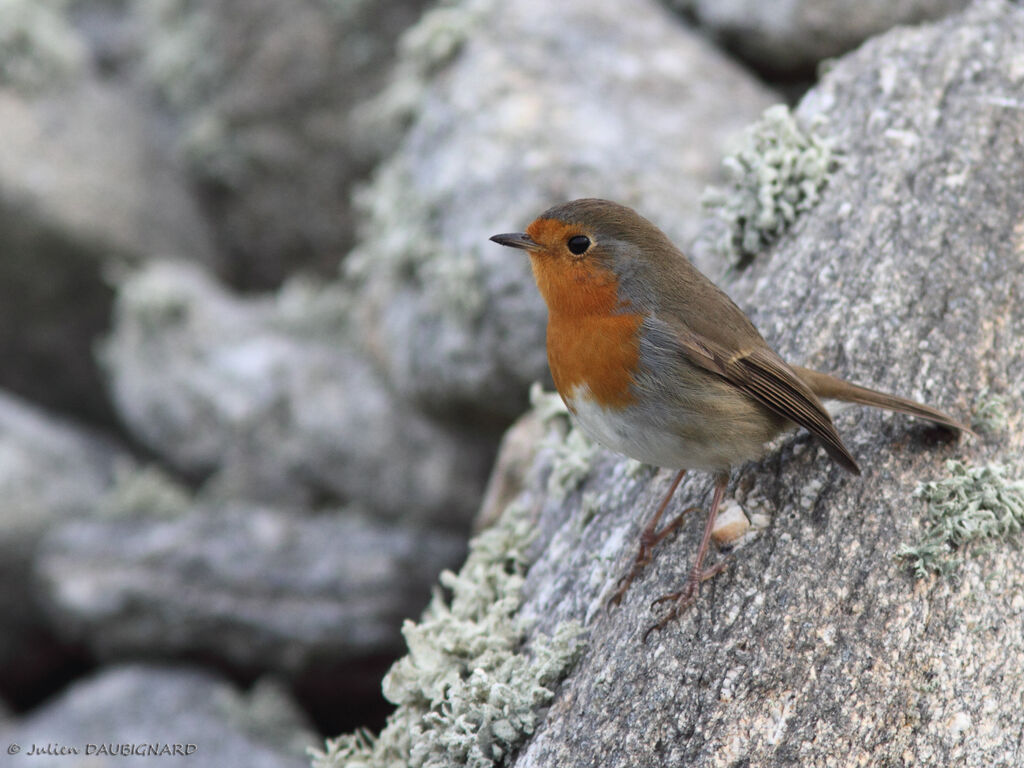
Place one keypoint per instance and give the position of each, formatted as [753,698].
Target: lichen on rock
[971,504]
[468,692]
[989,415]
[777,172]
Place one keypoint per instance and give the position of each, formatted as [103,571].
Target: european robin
[655,362]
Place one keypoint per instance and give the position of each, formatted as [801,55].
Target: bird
[657,363]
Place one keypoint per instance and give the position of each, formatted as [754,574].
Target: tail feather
[831,388]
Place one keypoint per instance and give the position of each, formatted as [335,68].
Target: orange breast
[599,353]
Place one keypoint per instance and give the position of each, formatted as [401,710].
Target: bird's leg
[685,597]
[649,538]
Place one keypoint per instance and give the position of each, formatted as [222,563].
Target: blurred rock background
[256,351]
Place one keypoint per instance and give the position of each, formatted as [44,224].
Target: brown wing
[766,377]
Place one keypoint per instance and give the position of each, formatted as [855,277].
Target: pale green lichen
[990,414]
[573,452]
[572,462]
[777,173]
[972,504]
[267,713]
[401,238]
[38,48]
[400,230]
[310,308]
[146,492]
[547,405]
[184,61]
[424,49]
[469,692]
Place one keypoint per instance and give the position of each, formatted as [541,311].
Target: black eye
[578,244]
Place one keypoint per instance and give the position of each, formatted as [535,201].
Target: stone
[516,454]
[818,645]
[269,129]
[135,714]
[90,183]
[815,640]
[794,37]
[730,524]
[268,398]
[51,471]
[507,117]
[255,588]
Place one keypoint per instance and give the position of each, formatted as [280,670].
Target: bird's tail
[830,388]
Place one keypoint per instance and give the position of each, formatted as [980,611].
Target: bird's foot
[685,597]
[649,539]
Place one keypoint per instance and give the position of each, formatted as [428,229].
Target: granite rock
[51,471]
[267,94]
[817,646]
[254,588]
[89,182]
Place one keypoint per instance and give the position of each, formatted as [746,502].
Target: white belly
[641,435]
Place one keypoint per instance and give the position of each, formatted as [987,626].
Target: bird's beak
[516,240]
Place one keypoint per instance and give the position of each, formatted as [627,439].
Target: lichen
[972,504]
[423,50]
[401,239]
[184,78]
[38,49]
[573,453]
[574,457]
[777,173]
[146,492]
[547,405]
[470,691]
[990,415]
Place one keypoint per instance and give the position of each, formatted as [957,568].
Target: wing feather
[767,378]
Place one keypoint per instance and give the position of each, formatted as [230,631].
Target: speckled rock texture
[816,646]
[51,472]
[796,35]
[513,116]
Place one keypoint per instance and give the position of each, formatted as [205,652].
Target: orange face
[569,276]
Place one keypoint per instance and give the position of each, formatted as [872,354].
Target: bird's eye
[578,244]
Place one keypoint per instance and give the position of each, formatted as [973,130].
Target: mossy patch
[972,504]
[471,690]
[777,173]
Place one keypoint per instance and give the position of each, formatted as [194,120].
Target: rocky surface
[267,397]
[89,181]
[793,37]
[506,124]
[816,646]
[293,467]
[51,472]
[255,589]
[271,132]
[109,717]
